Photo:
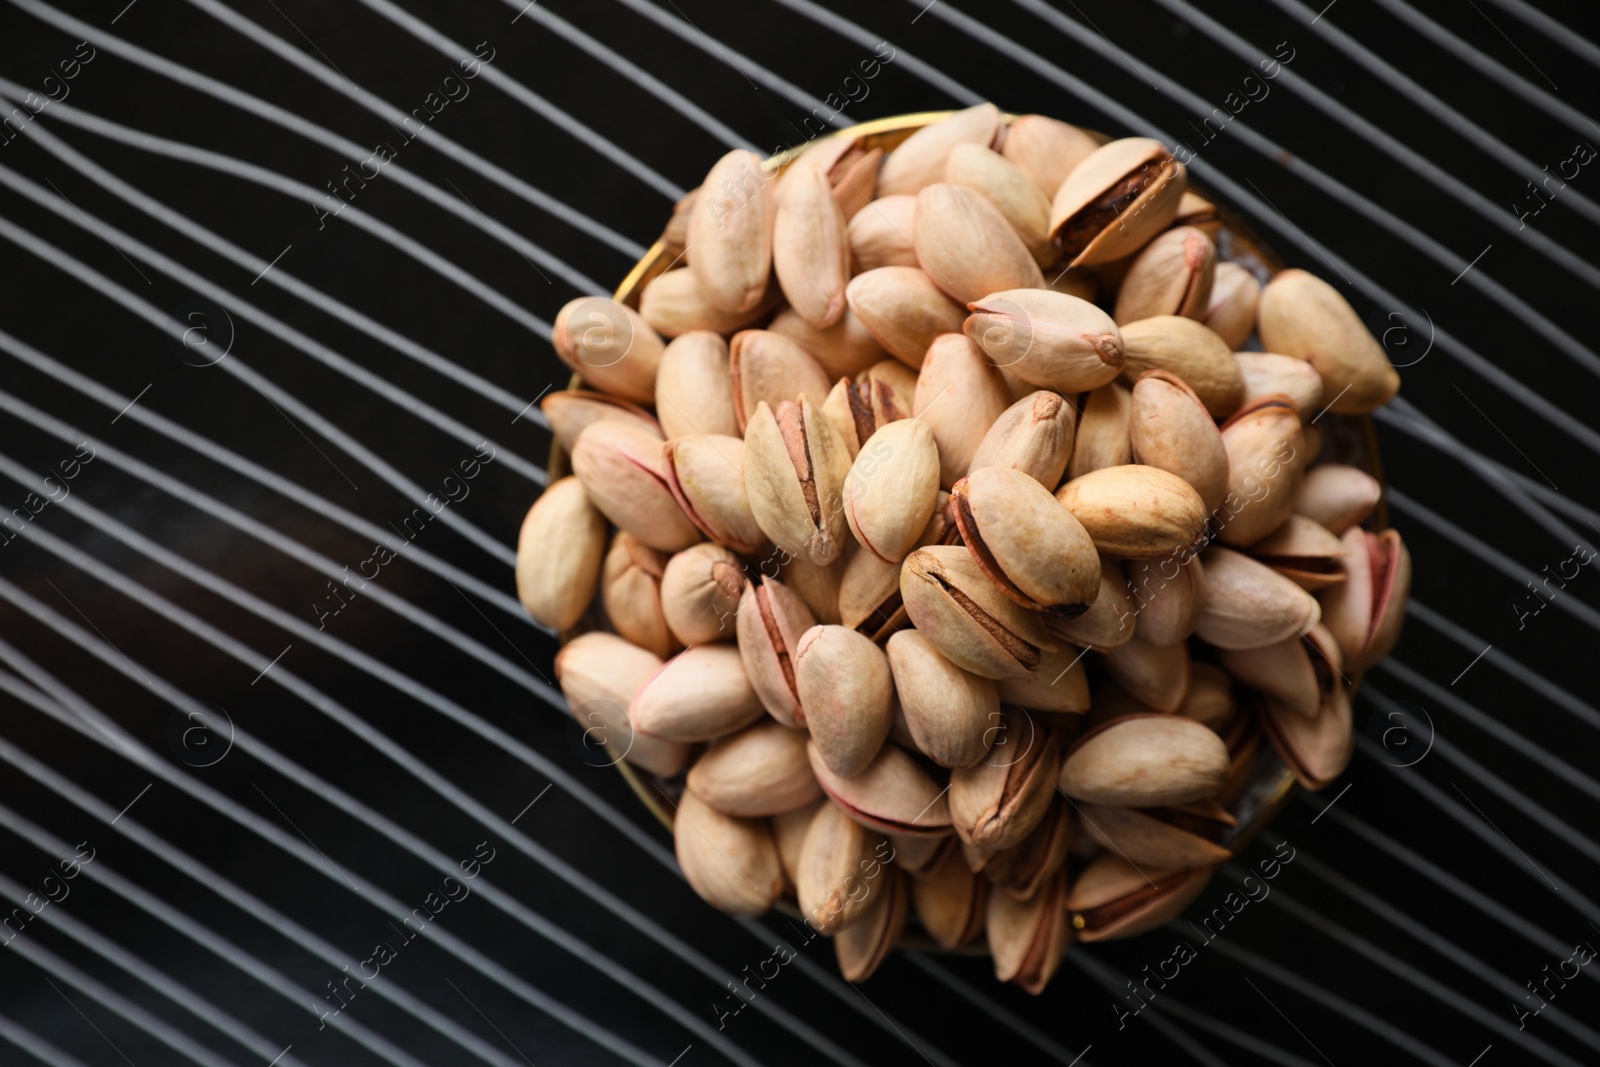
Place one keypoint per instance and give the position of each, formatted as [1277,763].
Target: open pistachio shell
[771,620]
[1266,467]
[863,945]
[621,467]
[998,801]
[1169,428]
[1250,605]
[610,345]
[1191,352]
[894,795]
[1050,339]
[1028,544]
[967,247]
[630,590]
[599,674]
[1027,867]
[570,411]
[845,689]
[700,594]
[967,618]
[1113,899]
[699,695]
[1303,316]
[1316,748]
[1298,673]
[861,407]
[1176,837]
[959,395]
[1171,276]
[1028,938]
[1365,612]
[1033,435]
[761,770]
[794,470]
[1120,196]
[731,862]
[1145,761]
[559,550]
[1135,511]
[949,712]
[1305,552]
[952,902]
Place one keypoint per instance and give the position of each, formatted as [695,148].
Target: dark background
[380,751]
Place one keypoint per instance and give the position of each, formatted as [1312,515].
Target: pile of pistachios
[948,535]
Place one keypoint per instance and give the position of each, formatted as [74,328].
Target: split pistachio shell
[1158,675]
[1136,511]
[810,252]
[857,408]
[892,488]
[1046,149]
[730,232]
[1170,428]
[693,390]
[951,902]
[570,411]
[880,234]
[700,594]
[705,473]
[1365,612]
[1266,373]
[863,945]
[1303,316]
[794,471]
[1033,436]
[761,770]
[1050,339]
[1110,621]
[765,367]
[1195,210]
[1104,437]
[1187,349]
[894,795]
[771,621]
[1176,837]
[1266,466]
[1028,938]
[614,349]
[599,674]
[630,589]
[959,395]
[1317,748]
[869,590]
[949,711]
[1028,544]
[845,689]
[1120,196]
[1028,867]
[1145,761]
[698,695]
[559,550]
[920,159]
[1297,672]
[1231,311]
[1059,685]
[1168,593]
[1113,898]
[998,801]
[844,349]
[904,310]
[967,247]
[1303,551]
[967,618]
[1005,185]
[731,862]
[622,470]
[831,882]
[674,304]
[1338,496]
[1172,276]
[1250,605]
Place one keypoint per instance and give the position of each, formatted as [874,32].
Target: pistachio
[1266,373]
[1303,316]
[761,770]
[730,231]
[1135,511]
[863,945]
[858,409]
[1170,428]
[675,236]
[559,550]
[998,801]
[1306,553]
[904,310]
[765,367]
[966,245]
[1114,201]
[1112,898]
[1033,436]
[570,411]
[919,856]
[1145,761]
[1174,837]
[966,616]
[1027,867]
[1059,685]
[880,234]
[1317,748]
[919,160]
[1158,675]
[819,585]
[1231,311]
[1298,673]
[1005,186]
[1050,339]
[1250,605]
[835,857]
[789,830]
[794,472]
[810,252]
[1365,612]
[1172,276]
[770,623]
[1046,149]
[706,476]
[893,795]
[621,468]
[698,695]
[951,902]
[846,348]
[674,303]
[949,711]
[700,594]
[1110,620]
[1210,698]
[1195,210]
[694,394]
[854,180]
[630,589]
[1028,544]
[845,687]
[892,489]
[959,396]
[1266,466]
[869,590]
[731,862]
[1104,431]
[1168,593]
[614,349]
[599,674]
[1337,496]
[1028,938]
[1191,352]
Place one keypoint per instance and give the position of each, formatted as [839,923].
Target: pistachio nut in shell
[892,489]
[1111,620]
[845,348]
[967,618]
[700,694]
[918,856]
[949,711]
[1365,612]
[570,411]
[1145,761]
[1171,276]
[761,770]
[1298,673]
[730,231]
[880,234]
[1027,543]
[1210,698]
[599,673]
[920,159]
[1046,149]
[1033,435]
[904,310]
[1135,511]
[771,620]
[1195,210]
[693,390]
[858,407]
[1004,185]
[1338,496]
[967,247]
[795,465]
[1028,938]
[1051,339]
[959,396]
[1189,350]
[1250,605]
[1170,428]
[1120,196]
[894,795]
[559,549]
[705,473]
[622,470]
[1158,675]
[674,304]
[609,345]
[952,902]
[789,830]
[731,862]
[831,881]
[998,801]
[818,584]
[810,251]
[1305,552]
[863,945]
[1266,467]
[845,690]
[700,590]
[1103,438]
[765,367]
[1112,898]
[1174,837]
[1059,685]
[1168,592]
[1303,316]
[630,591]
[1027,867]
[1316,748]
[1231,311]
